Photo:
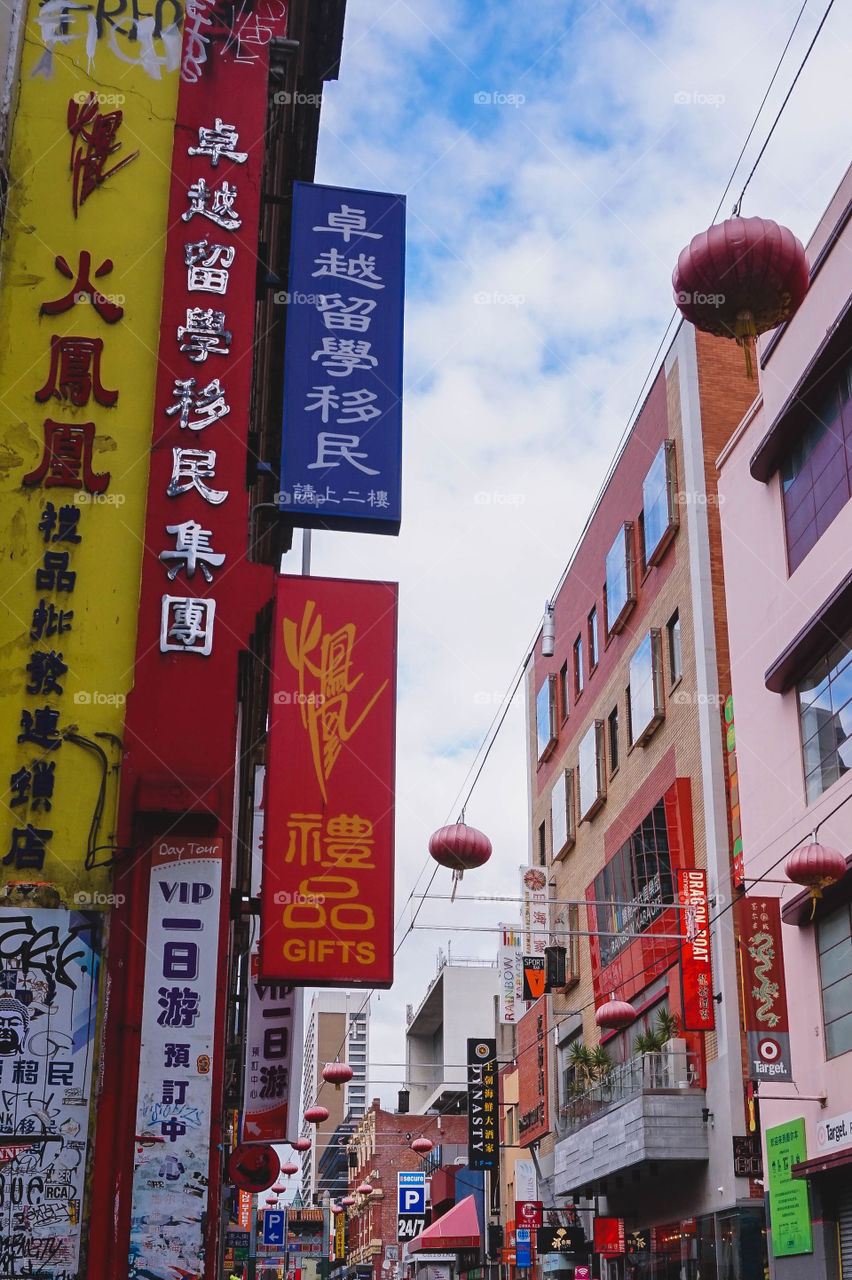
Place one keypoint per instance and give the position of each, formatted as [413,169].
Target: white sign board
[834,1134]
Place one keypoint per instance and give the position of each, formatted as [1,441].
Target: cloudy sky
[555,156]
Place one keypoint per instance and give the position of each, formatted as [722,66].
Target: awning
[458,1228]
[821,1164]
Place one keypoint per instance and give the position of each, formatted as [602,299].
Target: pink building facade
[784,488]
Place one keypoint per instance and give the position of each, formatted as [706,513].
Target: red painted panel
[327,899]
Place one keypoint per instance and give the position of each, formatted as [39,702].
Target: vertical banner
[789,1209]
[695,967]
[758,926]
[50,972]
[174,1102]
[510,965]
[342,436]
[534,910]
[327,902]
[273,1047]
[483,1132]
[79,319]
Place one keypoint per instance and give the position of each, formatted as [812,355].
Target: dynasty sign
[483,1140]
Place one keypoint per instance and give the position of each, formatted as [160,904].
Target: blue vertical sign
[523,1247]
[342,430]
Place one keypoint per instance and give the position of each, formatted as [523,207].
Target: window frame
[563,691]
[592,633]
[625,537]
[842,983]
[672,626]
[644,734]
[666,486]
[823,686]
[565,780]
[577,651]
[612,740]
[595,735]
[546,750]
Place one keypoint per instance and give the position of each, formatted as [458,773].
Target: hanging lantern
[301,1144]
[271,1199]
[615,1014]
[422,1146]
[316,1114]
[348,1201]
[815,866]
[289,1169]
[740,278]
[337,1073]
[279,1187]
[364,1189]
[460,848]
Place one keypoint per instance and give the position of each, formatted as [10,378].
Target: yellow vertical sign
[82,272]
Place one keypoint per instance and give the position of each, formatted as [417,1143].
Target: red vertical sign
[758,925]
[327,898]
[695,966]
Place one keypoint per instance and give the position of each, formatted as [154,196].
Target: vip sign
[273,1031]
[326,907]
[174,1102]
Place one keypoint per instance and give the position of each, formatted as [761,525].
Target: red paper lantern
[364,1189]
[816,866]
[301,1144]
[316,1114]
[460,848]
[422,1146]
[279,1187]
[271,1200]
[289,1169]
[740,278]
[337,1073]
[348,1201]
[615,1014]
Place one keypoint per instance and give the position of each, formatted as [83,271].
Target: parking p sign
[273,1226]
[411,1193]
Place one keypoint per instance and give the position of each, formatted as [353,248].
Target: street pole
[326,1235]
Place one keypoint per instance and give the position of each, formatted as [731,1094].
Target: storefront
[730,1245]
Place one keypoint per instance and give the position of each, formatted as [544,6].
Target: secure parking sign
[411,1204]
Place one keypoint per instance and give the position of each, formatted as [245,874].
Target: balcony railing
[644,1073]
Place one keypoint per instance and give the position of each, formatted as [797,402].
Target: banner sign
[482,1110]
[327,902]
[560,1240]
[51,963]
[523,1247]
[834,1134]
[758,925]
[534,977]
[174,1101]
[411,1192]
[695,966]
[510,965]
[528,1213]
[609,1236]
[273,1041]
[342,437]
[533,1109]
[339,1236]
[534,910]
[789,1209]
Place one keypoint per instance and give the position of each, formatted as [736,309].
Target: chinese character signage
[174,1101]
[533,1109]
[77,362]
[758,926]
[609,1237]
[695,967]
[327,897]
[273,1032]
[50,972]
[483,1127]
[534,910]
[788,1196]
[342,437]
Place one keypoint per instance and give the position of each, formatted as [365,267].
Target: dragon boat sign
[758,924]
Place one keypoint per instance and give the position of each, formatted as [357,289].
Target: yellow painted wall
[124,219]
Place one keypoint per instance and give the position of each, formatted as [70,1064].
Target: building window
[545,718]
[612,734]
[646,687]
[825,714]
[542,845]
[675,655]
[620,578]
[562,813]
[593,639]
[635,884]
[834,942]
[659,507]
[578,667]
[815,475]
[592,770]
[563,690]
